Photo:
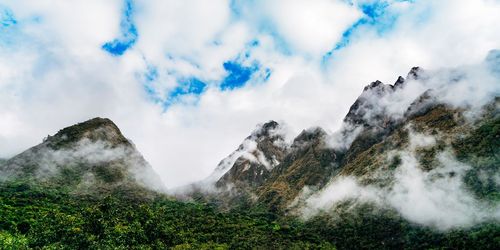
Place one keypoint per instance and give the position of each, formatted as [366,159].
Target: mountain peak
[93,154]
[255,157]
[415,73]
[266,129]
[399,82]
[373,85]
[308,136]
[270,125]
[364,111]
[94,130]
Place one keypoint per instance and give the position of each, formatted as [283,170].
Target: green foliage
[365,227]
[482,142]
[481,149]
[40,217]
[14,242]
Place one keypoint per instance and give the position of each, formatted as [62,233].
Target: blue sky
[373,15]
[128,32]
[196,76]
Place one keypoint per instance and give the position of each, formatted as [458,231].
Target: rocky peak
[93,153]
[373,85]
[415,73]
[267,128]
[96,129]
[309,162]
[376,88]
[399,82]
[250,164]
[309,136]
[366,110]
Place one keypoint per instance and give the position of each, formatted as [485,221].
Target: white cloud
[312,27]
[181,35]
[80,26]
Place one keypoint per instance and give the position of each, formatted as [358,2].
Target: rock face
[91,154]
[309,162]
[252,162]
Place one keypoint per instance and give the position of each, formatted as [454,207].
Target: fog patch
[342,139]
[436,198]
[341,189]
[83,155]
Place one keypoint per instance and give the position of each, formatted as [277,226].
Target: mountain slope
[89,155]
[309,162]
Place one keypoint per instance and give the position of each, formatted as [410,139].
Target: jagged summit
[381,88]
[255,157]
[266,129]
[264,157]
[415,73]
[399,82]
[309,136]
[367,111]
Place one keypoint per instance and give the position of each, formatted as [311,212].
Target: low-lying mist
[82,156]
[436,197]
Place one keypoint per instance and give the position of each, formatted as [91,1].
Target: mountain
[378,131]
[92,155]
[252,162]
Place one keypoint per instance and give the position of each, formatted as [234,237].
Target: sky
[188,80]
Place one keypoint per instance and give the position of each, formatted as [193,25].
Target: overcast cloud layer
[188,80]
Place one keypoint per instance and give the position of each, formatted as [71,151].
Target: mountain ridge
[369,135]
